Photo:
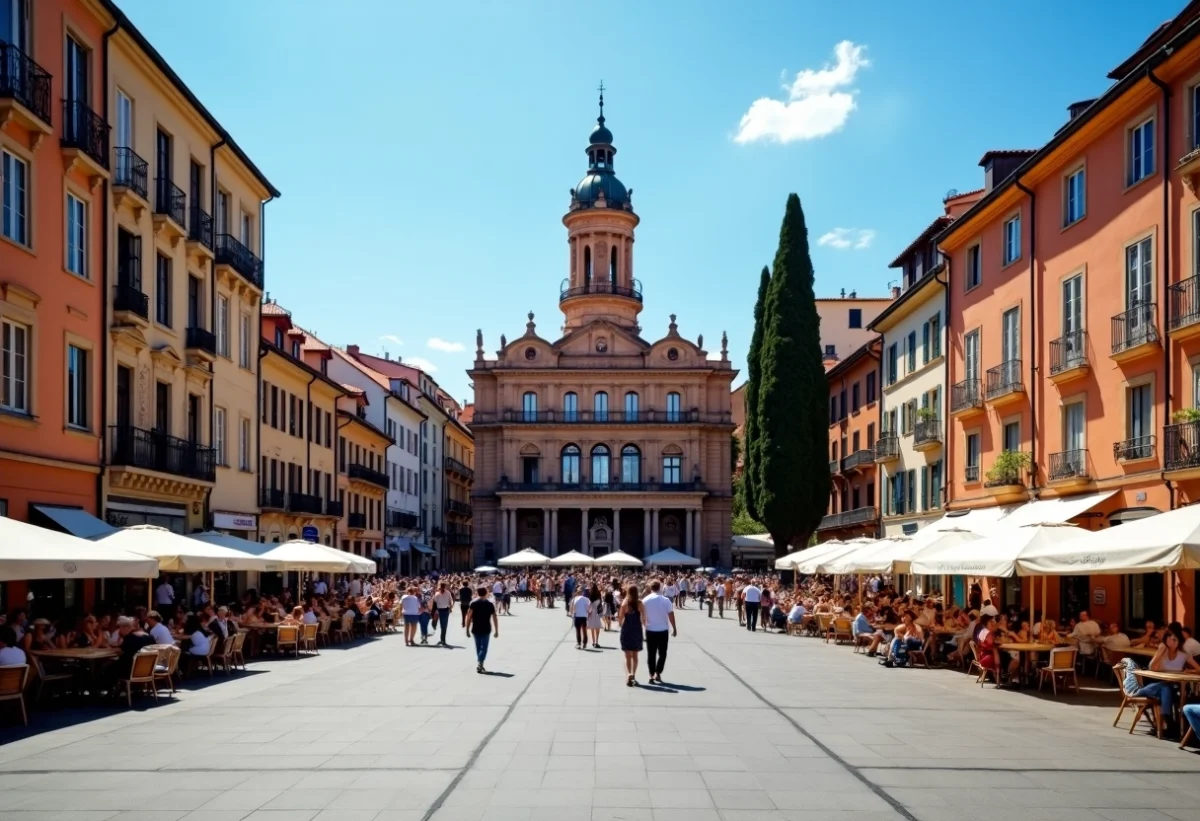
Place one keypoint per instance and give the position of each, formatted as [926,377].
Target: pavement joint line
[454,782]
[883,794]
[142,771]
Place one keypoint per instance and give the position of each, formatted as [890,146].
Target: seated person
[1150,638]
[159,631]
[133,640]
[10,653]
[797,613]
[778,619]
[1086,634]
[1047,632]
[309,616]
[1190,645]
[1116,638]
[985,643]
[201,641]
[909,636]
[38,637]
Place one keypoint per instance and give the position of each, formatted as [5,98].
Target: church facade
[600,439]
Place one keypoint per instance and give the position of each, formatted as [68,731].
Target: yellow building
[297,493]
[362,475]
[182,367]
[459,476]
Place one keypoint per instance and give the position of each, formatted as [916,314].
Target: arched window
[600,465]
[587,265]
[529,407]
[631,465]
[570,407]
[570,465]
[631,406]
[600,406]
[612,265]
[673,407]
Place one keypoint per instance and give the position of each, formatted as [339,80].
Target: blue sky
[425,150]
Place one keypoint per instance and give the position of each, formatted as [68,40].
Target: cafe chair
[46,679]
[141,672]
[323,632]
[1143,705]
[13,678]
[1061,665]
[823,622]
[238,640]
[984,672]
[168,664]
[225,656]
[920,658]
[841,631]
[288,638]
[345,630]
[206,662]
[308,638]
[862,641]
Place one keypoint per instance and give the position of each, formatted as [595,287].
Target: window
[1139,273]
[899,497]
[1012,437]
[15,174]
[870,387]
[1195,99]
[570,465]
[1012,240]
[600,406]
[912,351]
[129,260]
[910,487]
[570,407]
[279,338]
[974,273]
[244,444]
[854,404]
[77,387]
[244,339]
[856,317]
[529,407]
[162,290]
[1141,152]
[219,435]
[162,407]
[1074,198]
[631,407]
[971,354]
[831,351]
[673,407]
[925,344]
[631,465]
[295,349]
[247,231]
[972,457]
[223,325]
[673,470]
[893,363]
[77,236]
[935,485]
[14,366]
[934,344]
[600,465]
[833,414]
[1140,413]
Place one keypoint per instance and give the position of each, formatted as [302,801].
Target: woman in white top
[200,640]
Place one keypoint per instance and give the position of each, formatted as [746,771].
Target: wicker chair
[984,672]
[288,636]
[1061,665]
[63,681]
[1143,705]
[323,632]
[13,678]
[205,662]
[841,631]
[823,622]
[920,658]
[345,630]
[225,656]
[141,672]
[168,663]
[308,638]
[238,640]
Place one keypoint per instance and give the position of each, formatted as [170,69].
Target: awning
[424,548]
[400,544]
[992,557]
[763,540]
[671,558]
[179,554]
[1168,541]
[75,521]
[298,554]
[524,558]
[790,561]
[1053,511]
[380,553]
[31,552]
[215,537]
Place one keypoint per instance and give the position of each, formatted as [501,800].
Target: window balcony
[356,521]
[971,474]
[1007,487]
[1005,384]
[1068,358]
[1129,450]
[1184,318]
[401,519]
[130,306]
[835,467]
[457,538]
[1070,467]
[272,499]
[887,448]
[202,344]
[927,434]
[200,233]
[24,93]
[592,417]
[363,473]
[130,175]
[233,255]
[335,509]
[848,518]
[1135,334]
[506,486]
[1181,449]
[152,450]
[85,141]
[304,503]
[858,460]
[458,467]
[602,287]
[462,508]
[170,210]
[966,397]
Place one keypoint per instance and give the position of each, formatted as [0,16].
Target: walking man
[660,615]
[483,623]
[752,597]
[721,598]
[442,600]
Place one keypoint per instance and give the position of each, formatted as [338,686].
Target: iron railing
[152,450]
[200,227]
[459,468]
[23,80]
[1004,379]
[835,466]
[401,519]
[128,298]
[857,516]
[1069,464]
[1068,352]
[170,200]
[1185,303]
[86,130]
[887,446]
[231,252]
[457,538]
[971,474]
[966,394]
[927,431]
[304,503]
[593,487]
[612,417]
[203,339]
[366,474]
[454,506]
[270,498]
[857,459]
[1138,447]
[1181,445]
[357,521]
[1134,327]
[603,287]
[335,508]
[130,171]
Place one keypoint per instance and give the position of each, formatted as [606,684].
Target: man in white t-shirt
[164,595]
[320,588]
[410,608]
[159,631]
[1086,634]
[752,596]
[355,587]
[721,598]
[1118,640]
[660,617]
[10,653]
[580,606]
[989,609]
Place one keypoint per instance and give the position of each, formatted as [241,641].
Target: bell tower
[600,223]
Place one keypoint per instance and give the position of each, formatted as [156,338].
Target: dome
[600,134]
[593,184]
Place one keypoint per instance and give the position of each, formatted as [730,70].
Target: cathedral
[599,440]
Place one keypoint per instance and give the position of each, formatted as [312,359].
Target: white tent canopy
[671,558]
[617,558]
[762,540]
[571,559]
[787,562]
[298,554]
[890,555]
[811,563]
[1156,544]
[31,552]
[524,558]
[486,568]
[1052,511]
[994,556]
[179,554]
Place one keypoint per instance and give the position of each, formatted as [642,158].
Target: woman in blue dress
[631,617]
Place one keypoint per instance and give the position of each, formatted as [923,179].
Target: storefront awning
[1053,511]
[423,548]
[400,544]
[76,522]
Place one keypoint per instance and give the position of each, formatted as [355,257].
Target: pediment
[600,338]
[673,351]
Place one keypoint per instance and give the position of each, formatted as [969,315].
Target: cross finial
[601,90]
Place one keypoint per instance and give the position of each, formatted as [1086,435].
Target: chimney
[387,356]
[1075,109]
[352,350]
[843,293]
[895,292]
[998,166]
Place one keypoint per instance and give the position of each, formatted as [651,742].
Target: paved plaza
[750,727]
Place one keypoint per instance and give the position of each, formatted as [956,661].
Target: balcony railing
[401,519]
[23,80]
[130,171]
[202,339]
[86,130]
[1068,352]
[1181,446]
[1004,379]
[304,503]
[366,474]
[887,447]
[966,394]
[1139,447]
[457,538]
[200,228]
[1134,327]
[599,487]
[170,200]
[335,508]
[858,459]
[1069,464]
[232,253]
[270,498]
[927,431]
[1185,303]
[453,506]
[858,516]
[151,450]
[971,474]
[602,287]
[459,468]
[128,298]
[835,466]
[357,521]
[593,417]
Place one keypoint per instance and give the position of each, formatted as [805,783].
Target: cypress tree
[753,378]
[792,484]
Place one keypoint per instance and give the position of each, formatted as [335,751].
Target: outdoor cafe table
[1186,681]
[1144,652]
[1028,649]
[91,656]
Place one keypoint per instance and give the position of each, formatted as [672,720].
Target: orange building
[1075,320]
[853,425]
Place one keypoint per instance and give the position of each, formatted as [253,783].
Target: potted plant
[1008,468]
[926,414]
[1186,415]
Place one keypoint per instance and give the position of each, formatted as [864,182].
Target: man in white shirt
[10,653]
[720,598]
[320,588]
[671,591]
[159,631]
[989,609]
[752,596]
[660,617]
[164,596]
[1085,634]
[410,608]
[355,587]
[797,613]
[580,605]
[1190,645]
[1117,640]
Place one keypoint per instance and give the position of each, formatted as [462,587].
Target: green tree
[790,487]
[750,397]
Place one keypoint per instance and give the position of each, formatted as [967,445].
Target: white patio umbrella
[811,564]
[895,555]
[618,558]
[524,558]
[31,552]
[571,559]
[1156,544]
[671,558]
[179,554]
[486,568]
[963,553]
[787,562]
[298,554]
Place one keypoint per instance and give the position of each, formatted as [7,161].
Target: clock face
[601,345]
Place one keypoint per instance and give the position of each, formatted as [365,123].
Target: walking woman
[631,618]
[595,614]
[610,608]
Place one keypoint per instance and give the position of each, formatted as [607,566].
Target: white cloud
[843,238]
[421,363]
[444,346]
[391,338]
[818,102]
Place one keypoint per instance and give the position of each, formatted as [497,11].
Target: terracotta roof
[939,222]
[353,390]
[274,309]
[959,194]
[468,414]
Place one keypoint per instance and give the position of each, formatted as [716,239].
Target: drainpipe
[1166,255]
[106,297]
[945,283]
[1033,349]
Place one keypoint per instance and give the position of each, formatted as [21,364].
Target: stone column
[553,532]
[545,529]
[645,531]
[503,531]
[654,529]
[583,529]
[698,537]
[688,547]
[616,528]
